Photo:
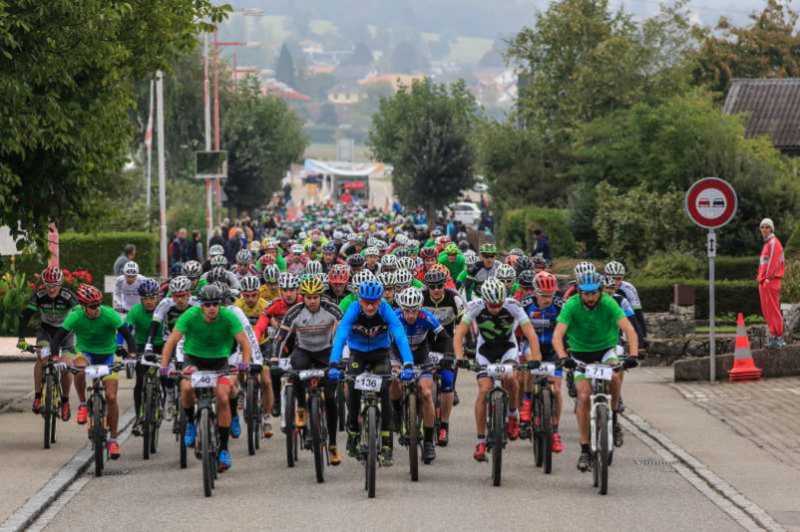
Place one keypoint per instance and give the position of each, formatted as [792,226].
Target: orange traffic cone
[744,369]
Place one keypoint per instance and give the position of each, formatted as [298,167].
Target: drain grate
[652,462]
[109,472]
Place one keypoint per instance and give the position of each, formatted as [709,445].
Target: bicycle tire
[53,423]
[536,431]
[498,425]
[601,455]
[207,459]
[147,427]
[288,413]
[340,406]
[372,449]
[412,433]
[98,435]
[317,444]
[47,413]
[181,442]
[547,429]
[156,425]
[248,416]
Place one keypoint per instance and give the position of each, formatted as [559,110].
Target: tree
[284,68]
[767,48]
[67,71]
[263,137]
[424,131]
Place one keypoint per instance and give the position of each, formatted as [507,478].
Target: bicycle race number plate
[285,363]
[599,372]
[96,372]
[308,374]
[44,352]
[547,369]
[498,369]
[204,379]
[367,382]
[435,358]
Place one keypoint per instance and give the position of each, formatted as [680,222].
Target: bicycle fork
[598,399]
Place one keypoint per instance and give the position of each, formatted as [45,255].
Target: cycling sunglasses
[437,286]
[93,306]
[210,304]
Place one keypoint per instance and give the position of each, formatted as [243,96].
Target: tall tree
[263,137]
[284,68]
[425,131]
[67,73]
[766,48]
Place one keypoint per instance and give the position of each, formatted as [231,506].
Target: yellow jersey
[268,293]
[253,312]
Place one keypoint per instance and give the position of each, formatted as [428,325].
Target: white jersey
[495,331]
[127,295]
[255,349]
[230,279]
[631,294]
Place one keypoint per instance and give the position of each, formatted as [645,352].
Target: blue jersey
[370,333]
[543,321]
[417,332]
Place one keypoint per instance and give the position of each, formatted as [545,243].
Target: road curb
[27,514]
[16,358]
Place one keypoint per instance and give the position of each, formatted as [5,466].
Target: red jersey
[771,263]
[277,310]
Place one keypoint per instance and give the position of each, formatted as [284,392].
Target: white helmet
[361,276]
[407,263]
[505,273]
[388,279]
[389,260]
[130,268]
[250,283]
[410,298]
[403,277]
[584,267]
[179,284]
[314,267]
[493,291]
[218,260]
[401,239]
[614,268]
[288,281]
[215,250]
[297,249]
[192,269]
[371,251]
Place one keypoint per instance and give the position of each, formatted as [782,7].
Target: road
[646,492]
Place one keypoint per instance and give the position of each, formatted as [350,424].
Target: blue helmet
[370,290]
[149,288]
[589,281]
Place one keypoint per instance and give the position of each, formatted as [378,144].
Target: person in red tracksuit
[770,273]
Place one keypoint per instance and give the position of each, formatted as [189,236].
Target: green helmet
[451,249]
[488,248]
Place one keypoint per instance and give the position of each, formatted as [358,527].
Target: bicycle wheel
[547,429]
[340,405]
[147,421]
[249,407]
[372,449]
[181,432]
[601,454]
[207,458]
[412,433]
[98,434]
[288,414]
[498,426]
[536,434]
[315,419]
[47,412]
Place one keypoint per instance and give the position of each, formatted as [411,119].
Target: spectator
[235,244]
[216,238]
[179,247]
[541,245]
[770,273]
[196,247]
[128,253]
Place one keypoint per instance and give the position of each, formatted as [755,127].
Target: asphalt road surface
[455,492]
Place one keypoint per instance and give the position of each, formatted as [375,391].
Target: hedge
[517,226]
[733,268]
[731,296]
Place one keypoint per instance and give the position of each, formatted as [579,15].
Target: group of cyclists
[347,291]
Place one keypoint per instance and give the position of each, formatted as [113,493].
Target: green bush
[517,226]
[731,296]
[792,246]
[14,293]
[672,264]
[734,268]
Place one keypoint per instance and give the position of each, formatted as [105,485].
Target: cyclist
[421,328]
[482,270]
[244,264]
[448,307]
[169,309]
[616,270]
[329,258]
[452,258]
[194,270]
[369,329]
[581,268]
[356,280]
[591,323]
[139,319]
[96,327]
[252,306]
[372,256]
[269,288]
[126,287]
[338,277]
[297,259]
[213,251]
[209,332]
[389,282]
[313,322]
[222,275]
[543,311]
[508,276]
[356,262]
[52,302]
[497,317]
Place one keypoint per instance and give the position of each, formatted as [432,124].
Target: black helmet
[435,276]
[211,293]
[356,260]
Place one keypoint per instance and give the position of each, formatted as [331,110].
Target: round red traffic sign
[711,202]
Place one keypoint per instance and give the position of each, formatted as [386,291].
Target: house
[395,80]
[273,87]
[773,108]
[345,94]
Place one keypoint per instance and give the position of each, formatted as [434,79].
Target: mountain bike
[543,407]
[288,411]
[370,385]
[253,409]
[315,433]
[152,405]
[411,424]
[51,390]
[204,384]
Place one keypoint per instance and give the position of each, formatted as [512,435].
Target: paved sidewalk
[765,412]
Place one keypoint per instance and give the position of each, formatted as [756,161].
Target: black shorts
[207,364]
[303,359]
[591,357]
[548,353]
[374,361]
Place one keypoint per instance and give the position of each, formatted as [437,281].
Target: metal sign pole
[712,348]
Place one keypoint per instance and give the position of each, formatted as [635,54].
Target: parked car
[467,213]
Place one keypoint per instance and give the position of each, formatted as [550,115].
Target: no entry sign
[711,202]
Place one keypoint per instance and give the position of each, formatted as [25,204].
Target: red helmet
[545,283]
[339,274]
[427,253]
[52,275]
[89,295]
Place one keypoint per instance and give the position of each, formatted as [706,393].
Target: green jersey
[416,283]
[139,319]
[591,330]
[455,267]
[208,339]
[345,303]
[96,336]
